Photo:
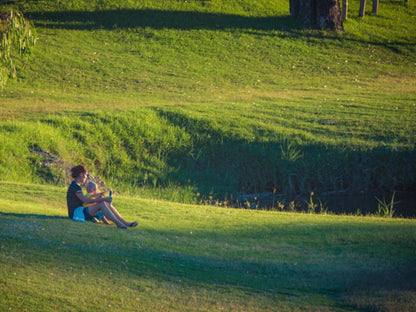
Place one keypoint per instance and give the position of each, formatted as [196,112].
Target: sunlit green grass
[199,258]
[176,52]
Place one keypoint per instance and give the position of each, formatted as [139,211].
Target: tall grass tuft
[386,209]
[310,204]
[290,150]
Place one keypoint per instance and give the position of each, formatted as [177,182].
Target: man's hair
[77,170]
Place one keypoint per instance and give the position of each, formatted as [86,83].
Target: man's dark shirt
[72,199]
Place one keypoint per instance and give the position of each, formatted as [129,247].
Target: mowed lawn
[199,258]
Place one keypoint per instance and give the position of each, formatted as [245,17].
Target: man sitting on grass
[76,199]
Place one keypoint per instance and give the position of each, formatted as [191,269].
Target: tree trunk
[361,13]
[375,7]
[344,10]
[322,13]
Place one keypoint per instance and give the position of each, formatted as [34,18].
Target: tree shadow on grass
[294,273]
[314,163]
[224,167]
[158,19]
[31,215]
[191,20]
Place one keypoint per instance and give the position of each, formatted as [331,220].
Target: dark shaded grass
[158,19]
[298,261]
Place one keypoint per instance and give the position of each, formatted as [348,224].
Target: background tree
[17,38]
[321,13]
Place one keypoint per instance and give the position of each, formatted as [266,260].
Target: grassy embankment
[210,98]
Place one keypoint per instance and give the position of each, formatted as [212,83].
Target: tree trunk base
[325,14]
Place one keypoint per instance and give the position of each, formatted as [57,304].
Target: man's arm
[86,200]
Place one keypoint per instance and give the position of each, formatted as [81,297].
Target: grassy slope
[198,258]
[228,82]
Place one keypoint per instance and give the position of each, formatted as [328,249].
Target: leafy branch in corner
[17,37]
